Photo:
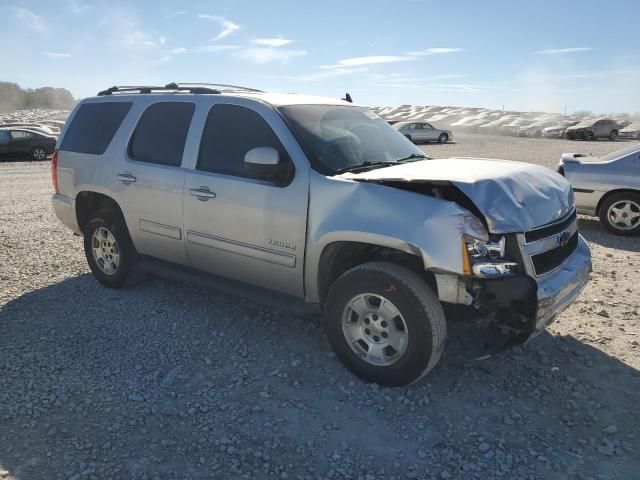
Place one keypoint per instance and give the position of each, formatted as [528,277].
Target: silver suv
[317,205]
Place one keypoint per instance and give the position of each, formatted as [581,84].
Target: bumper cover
[65,211]
[557,290]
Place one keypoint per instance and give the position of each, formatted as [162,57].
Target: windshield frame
[318,165]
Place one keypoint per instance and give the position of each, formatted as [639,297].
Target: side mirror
[265,163]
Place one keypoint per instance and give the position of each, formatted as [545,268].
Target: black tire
[588,135]
[633,199]
[409,138]
[537,134]
[443,138]
[613,135]
[38,153]
[417,304]
[113,222]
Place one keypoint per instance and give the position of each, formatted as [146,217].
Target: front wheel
[38,153]
[108,247]
[588,135]
[408,137]
[385,323]
[620,213]
[443,138]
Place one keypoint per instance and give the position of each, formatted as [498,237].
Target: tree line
[13,97]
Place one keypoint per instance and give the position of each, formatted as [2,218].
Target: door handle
[126,178]
[202,193]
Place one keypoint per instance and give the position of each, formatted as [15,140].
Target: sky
[542,55]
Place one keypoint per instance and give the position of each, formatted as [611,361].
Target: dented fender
[346,210]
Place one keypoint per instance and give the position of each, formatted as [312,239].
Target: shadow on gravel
[594,232]
[167,381]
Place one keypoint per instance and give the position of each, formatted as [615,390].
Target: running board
[276,300]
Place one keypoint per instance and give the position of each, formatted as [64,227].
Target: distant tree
[12,97]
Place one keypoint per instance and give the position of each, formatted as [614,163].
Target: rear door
[20,142]
[149,178]
[237,225]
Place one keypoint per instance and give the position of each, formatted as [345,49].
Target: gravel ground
[167,381]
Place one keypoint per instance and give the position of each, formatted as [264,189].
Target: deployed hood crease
[512,196]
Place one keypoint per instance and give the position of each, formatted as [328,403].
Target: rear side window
[161,133]
[229,133]
[93,127]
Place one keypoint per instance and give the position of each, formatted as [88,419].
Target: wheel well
[89,202]
[614,192]
[338,257]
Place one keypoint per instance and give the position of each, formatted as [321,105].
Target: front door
[149,179]
[5,138]
[430,133]
[238,225]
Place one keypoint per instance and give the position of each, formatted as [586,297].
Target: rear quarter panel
[592,180]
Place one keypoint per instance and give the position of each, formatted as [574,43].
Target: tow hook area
[504,309]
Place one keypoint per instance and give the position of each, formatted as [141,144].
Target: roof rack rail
[149,89]
[224,86]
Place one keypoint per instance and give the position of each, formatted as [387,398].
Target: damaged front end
[523,260]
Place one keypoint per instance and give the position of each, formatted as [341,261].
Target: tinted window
[162,133]
[5,137]
[230,132]
[93,126]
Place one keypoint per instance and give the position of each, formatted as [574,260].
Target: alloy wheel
[105,251]
[624,215]
[375,329]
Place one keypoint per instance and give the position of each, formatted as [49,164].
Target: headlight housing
[485,255]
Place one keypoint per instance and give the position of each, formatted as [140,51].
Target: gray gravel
[166,381]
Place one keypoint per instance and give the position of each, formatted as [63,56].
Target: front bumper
[65,211]
[558,290]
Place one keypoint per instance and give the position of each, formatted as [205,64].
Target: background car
[631,131]
[419,132]
[607,187]
[513,127]
[535,129]
[593,129]
[558,129]
[22,142]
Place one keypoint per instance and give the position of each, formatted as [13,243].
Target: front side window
[5,137]
[161,133]
[336,137]
[229,133]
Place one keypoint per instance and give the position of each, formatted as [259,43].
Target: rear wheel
[108,247]
[443,138]
[385,323]
[537,134]
[613,135]
[620,213]
[38,153]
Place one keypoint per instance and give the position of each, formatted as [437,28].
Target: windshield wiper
[413,156]
[366,165]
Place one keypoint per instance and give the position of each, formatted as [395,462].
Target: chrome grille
[547,248]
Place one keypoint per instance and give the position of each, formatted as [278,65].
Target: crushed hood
[512,196]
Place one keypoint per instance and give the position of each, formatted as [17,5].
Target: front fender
[352,211]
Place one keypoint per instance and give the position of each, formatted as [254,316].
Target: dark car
[22,142]
[592,129]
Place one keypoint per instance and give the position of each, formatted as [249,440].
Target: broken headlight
[485,255]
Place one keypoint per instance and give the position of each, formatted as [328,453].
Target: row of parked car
[30,133]
[497,122]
